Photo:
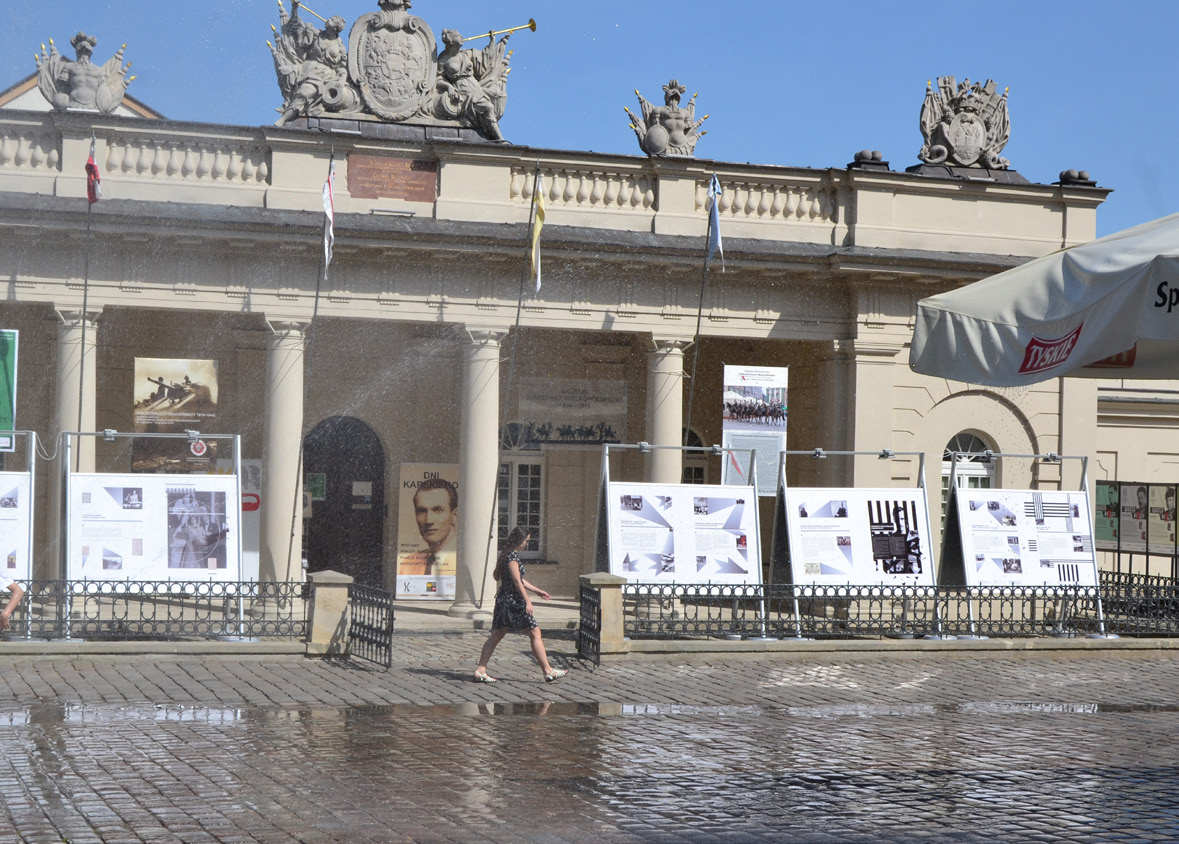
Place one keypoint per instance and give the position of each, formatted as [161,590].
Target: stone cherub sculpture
[964,125]
[667,129]
[472,84]
[312,67]
[80,83]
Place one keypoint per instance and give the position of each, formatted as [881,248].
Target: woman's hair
[519,534]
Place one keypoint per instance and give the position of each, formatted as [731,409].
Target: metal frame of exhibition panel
[734,596]
[1056,598]
[30,452]
[819,596]
[66,449]
[167,585]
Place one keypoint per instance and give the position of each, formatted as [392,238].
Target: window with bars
[520,500]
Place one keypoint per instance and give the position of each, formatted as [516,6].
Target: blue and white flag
[714,235]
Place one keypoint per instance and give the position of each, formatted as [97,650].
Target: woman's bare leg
[538,650]
[494,639]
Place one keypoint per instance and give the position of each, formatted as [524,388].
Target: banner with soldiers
[172,397]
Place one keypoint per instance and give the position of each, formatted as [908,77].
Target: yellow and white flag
[537,225]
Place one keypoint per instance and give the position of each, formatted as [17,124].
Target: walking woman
[513,609]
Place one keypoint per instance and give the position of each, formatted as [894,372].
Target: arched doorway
[344,463]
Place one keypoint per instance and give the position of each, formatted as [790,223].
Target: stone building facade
[208,245]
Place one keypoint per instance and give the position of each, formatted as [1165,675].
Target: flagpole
[525,274]
[91,197]
[82,355]
[695,351]
[309,346]
[713,221]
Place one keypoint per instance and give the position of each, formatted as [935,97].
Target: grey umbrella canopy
[1105,309]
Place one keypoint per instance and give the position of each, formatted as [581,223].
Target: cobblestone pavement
[814,748]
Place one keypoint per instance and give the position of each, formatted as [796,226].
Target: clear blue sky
[786,83]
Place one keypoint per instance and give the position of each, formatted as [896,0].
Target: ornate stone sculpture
[391,71]
[312,67]
[79,83]
[472,84]
[667,129]
[964,125]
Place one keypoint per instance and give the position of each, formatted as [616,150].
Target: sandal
[481,677]
[555,674]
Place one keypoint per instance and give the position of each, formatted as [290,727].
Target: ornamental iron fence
[370,630]
[589,630]
[161,609]
[1123,604]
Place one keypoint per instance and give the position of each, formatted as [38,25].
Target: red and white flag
[329,209]
[93,188]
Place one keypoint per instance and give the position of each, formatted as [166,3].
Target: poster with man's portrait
[427,530]
[172,396]
[1160,527]
[1106,516]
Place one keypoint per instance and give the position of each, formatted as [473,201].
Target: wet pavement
[1053,746]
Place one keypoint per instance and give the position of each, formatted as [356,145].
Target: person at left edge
[17,593]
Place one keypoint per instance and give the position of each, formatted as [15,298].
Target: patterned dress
[509,603]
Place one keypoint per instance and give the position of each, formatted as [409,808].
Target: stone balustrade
[265,167]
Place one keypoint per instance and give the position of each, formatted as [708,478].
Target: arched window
[695,462]
[975,468]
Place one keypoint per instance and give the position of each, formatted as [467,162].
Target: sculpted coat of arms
[965,125]
[390,71]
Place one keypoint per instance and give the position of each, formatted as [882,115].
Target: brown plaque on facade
[382,177]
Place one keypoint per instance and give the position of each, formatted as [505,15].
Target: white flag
[329,209]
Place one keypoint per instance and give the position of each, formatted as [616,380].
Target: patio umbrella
[1105,309]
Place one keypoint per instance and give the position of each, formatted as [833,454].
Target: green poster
[316,484]
[7,379]
[1105,521]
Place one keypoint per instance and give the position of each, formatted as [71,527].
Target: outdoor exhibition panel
[153,527]
[858,537]
[1106,519]
[683,533]
[16,511]
[1160,519]
[1132,517]
[753,421]
[1019,537]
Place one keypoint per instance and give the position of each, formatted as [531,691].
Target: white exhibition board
[859,537]
[684,533]
[153,527]
[15,506]
[1016,537]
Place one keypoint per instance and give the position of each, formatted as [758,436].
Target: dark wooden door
[346,530]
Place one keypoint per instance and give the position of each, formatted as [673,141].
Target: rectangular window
[520,500]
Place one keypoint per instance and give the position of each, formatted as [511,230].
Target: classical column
[665,410]
[281,550]
[76,388]
[474,593]
[858,408]
[76,391]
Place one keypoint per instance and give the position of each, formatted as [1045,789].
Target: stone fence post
[609,588]
[328,614]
